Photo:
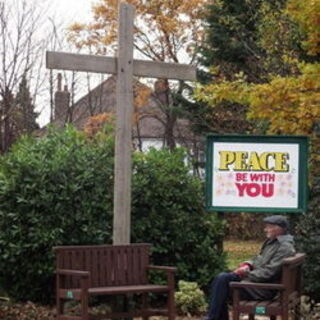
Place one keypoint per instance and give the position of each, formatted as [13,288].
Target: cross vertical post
[124,94]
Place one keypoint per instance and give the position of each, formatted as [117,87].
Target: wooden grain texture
[123,147]
[102,64]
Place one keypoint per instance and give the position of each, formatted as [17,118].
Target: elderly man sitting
[265,267]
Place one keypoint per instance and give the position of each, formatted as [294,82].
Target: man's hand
[242,271]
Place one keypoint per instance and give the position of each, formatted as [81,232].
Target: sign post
[256,173]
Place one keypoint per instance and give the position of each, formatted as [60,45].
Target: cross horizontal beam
[102,64]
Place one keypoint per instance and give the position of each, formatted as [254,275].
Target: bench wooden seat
[116,290]
[287,299]
[84,271]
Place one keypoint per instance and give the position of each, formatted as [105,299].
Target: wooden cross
[125,68]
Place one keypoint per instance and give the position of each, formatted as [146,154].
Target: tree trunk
[6,121]
[169,131]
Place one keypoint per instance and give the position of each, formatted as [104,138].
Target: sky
[71,10]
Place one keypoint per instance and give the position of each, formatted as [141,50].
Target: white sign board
[264,173]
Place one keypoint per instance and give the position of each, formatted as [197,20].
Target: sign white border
[289,192]
[248,188]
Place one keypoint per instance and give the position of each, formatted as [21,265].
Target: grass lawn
[239,251]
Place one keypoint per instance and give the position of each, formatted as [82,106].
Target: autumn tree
[290,104]
[165,30]
[245,40]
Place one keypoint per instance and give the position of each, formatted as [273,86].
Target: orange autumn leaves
[163,28]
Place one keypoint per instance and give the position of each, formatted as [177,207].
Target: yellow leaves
[291,104]
[307,14]
[236,91]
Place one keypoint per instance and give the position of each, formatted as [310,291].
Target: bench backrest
[108,265]
[292,273]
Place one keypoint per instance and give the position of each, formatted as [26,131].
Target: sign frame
[301,141]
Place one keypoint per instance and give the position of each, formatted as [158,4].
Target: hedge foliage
[58,190]
[308,241]
[52,192]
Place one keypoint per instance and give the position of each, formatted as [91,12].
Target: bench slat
[127,289]
[108,265]
[135,269]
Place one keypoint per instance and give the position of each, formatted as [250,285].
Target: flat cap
[281,221]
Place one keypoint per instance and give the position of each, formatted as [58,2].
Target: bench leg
[145,305]
[273,317]
[251,316]
[171,306]
[235,314]
[60,307]
[84,307]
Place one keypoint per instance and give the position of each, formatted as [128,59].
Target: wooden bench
[287,299]
[85,271]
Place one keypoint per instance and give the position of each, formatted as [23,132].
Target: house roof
[102,99]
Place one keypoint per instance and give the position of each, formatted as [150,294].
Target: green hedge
[58,190]
[308,241]
[168,212]
[52,192]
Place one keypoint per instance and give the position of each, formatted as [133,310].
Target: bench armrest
[162,268]
[170,271]
[83,275]
[75,273]
[256,285]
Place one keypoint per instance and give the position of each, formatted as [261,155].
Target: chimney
[161,90]
[61,102]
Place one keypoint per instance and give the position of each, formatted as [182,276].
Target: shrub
[58,190]
[190,300]
[52,192]
[308,241]
[168,212]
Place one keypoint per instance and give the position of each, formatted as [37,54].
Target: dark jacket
[266,267]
